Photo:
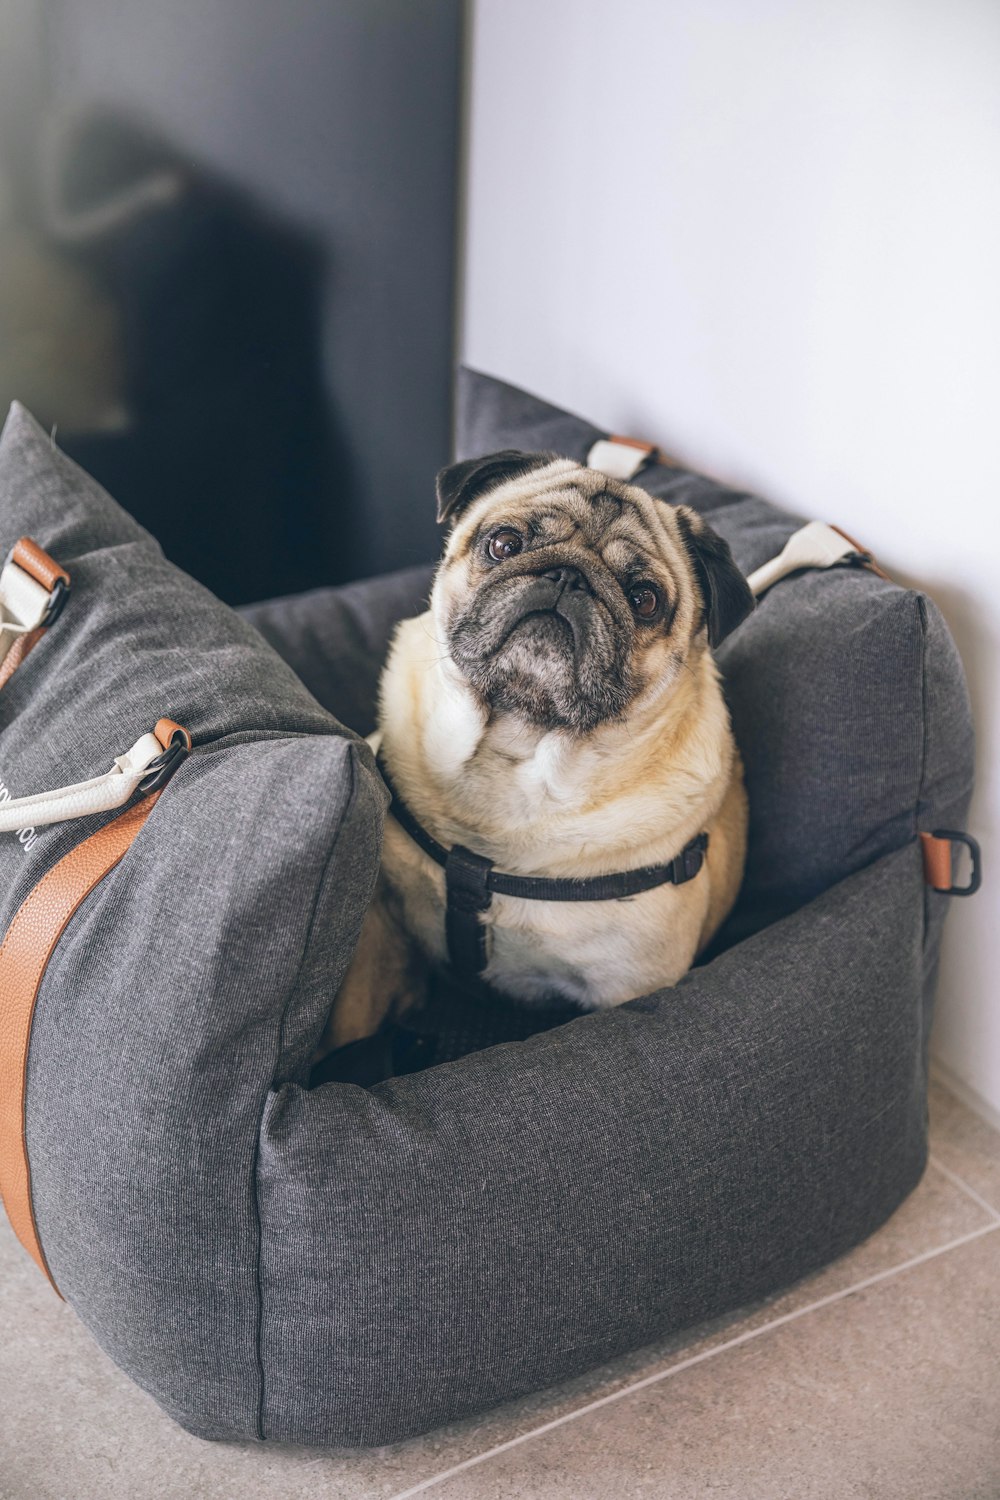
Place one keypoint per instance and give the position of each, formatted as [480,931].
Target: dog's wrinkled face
[566,597]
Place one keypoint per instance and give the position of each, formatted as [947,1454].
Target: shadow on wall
[169,330]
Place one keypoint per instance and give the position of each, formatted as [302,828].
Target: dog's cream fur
[628,793]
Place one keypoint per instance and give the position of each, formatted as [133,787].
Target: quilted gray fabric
[342,1265]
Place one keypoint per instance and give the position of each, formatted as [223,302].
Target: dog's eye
[505,543]
[645,600]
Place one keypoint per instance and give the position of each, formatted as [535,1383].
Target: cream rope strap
[139,768]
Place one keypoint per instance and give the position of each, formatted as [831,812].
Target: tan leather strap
[652,452]
[623,457]
[24,956]
[937,861]
[15,656]
[938,848]
[37,562]
[630,442]
[870,562]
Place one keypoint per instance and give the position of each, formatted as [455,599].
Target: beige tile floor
[879,1377]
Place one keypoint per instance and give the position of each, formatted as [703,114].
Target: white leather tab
[618,457]
[100,794]
[23,603]
[813,546]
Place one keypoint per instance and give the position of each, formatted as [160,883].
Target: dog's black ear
[725,592]
[459,484]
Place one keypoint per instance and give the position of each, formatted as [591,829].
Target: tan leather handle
[37,562]
[24,956]
[20,649]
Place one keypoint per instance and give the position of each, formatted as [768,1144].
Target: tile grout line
[694,1359]
[960,1182]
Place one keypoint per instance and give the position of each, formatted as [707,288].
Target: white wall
[766,233]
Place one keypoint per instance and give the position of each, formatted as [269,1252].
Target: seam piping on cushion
[919,600]
[922,618]
[349,804]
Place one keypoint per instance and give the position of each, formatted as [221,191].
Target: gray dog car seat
[341,1264]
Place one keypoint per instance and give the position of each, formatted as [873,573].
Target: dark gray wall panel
[279,336]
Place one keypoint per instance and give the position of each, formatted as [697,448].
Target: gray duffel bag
[346,1265]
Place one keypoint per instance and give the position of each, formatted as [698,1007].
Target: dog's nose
[570,578]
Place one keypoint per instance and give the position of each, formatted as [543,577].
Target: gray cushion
[343,1265]
[336,639]
[454,1238]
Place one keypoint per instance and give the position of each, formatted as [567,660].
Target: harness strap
[471,882]
[467,886]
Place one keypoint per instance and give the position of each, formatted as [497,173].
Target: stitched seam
[349,803]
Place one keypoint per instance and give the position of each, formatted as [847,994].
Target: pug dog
[556,711]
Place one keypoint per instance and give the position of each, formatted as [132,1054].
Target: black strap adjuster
[471,882]
[686,865]
[466,877]
[163,767]
[976,876]
[57,599]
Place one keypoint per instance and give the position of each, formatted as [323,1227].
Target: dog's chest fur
[540,802]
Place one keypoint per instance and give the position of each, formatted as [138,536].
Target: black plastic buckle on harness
[686,865]
[163,767]
[466,877]
[976,877]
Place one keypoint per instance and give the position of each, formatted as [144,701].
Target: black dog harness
[471,882]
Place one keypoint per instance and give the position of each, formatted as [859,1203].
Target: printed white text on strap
[100,794]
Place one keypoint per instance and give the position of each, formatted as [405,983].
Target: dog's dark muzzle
[562,592]
[550,643]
